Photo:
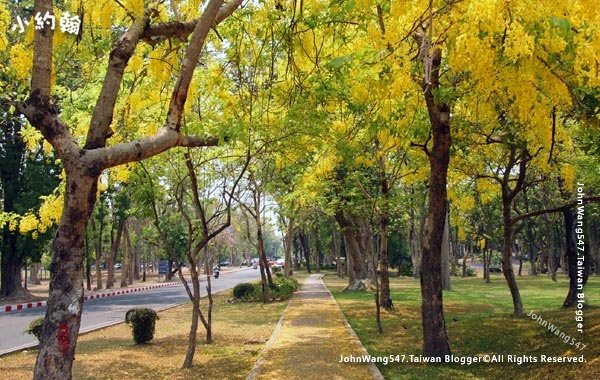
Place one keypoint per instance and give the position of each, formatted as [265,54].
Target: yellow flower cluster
[21,60]
[28,223]
[31,136]
[50,211]
[5,22]
[518,43]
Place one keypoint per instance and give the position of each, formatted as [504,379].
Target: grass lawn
[478,319]
[240,331]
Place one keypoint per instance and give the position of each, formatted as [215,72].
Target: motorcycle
[216,272]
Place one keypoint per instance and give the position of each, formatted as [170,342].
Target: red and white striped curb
[31,305]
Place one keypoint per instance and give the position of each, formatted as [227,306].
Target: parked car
[117,266]
[224,263]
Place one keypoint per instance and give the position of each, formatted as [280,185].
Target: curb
[32,305]
[373,369]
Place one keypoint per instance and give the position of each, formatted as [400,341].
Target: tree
[83,165]
[211,216]
[27,176]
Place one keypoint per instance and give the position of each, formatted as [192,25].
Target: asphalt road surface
[102,312]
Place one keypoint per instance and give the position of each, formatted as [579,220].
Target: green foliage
[456,271]
[398,255]
[35,327]
[470,272]
[328,267]
[243,290]
[143,321]
[284,287]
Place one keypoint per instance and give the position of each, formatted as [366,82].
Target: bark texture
[435,337]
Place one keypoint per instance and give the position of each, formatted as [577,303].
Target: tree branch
[43,115]
[179,29]
[190,61]
[584,200]
[42,52]
[103,158]
[102,117]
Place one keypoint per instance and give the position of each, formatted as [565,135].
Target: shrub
[275,269]
[284,287]
[471,272]
[143,321]
[243,290]
[328,267]
[35,327]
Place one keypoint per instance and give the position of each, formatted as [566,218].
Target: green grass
[479,321]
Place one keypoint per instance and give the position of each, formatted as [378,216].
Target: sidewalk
[310,340]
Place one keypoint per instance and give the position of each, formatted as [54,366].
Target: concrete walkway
[310,340]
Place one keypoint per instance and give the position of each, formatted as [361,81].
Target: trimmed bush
[284,287]
[243,290]
[142,322]
[35,327]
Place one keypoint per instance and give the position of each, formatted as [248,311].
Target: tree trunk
[260,242]
[11,182]
[384,221]
[34,278]
[297,248]
[489,263]
[114,253]
[435,337]
[318,252]
[578,265]
[126,255]
[63,316]
[191,349]
[531,254]
[357,269]
[305,249]
[337,249]
[563,257]
[486,264]
[415,250]
[289,236]
[507,268]
[98,251]
[88,263]
[208,322]
[467,250]
[518,251]
[446,255]
[12,262]
[385,294]
[131,261]
[368,247]
[136,252]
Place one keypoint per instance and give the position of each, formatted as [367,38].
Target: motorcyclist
[216,271]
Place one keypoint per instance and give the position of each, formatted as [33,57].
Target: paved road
[102,312]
